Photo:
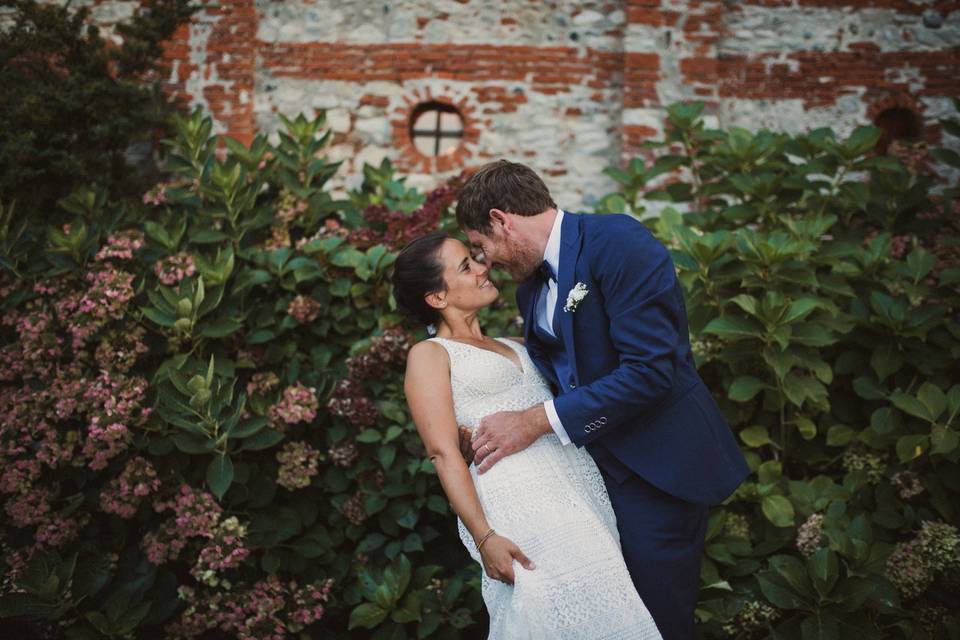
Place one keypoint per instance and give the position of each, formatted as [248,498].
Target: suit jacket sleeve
[643,301]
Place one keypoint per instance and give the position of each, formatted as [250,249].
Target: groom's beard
[521,264]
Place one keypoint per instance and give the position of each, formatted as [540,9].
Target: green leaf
[262,440]
[260,336]
[369,436]
[91,574]
[798,389]
[193,445]
[220,475]
[778,510]
[792,570]
[755,436]
[745,388]
[840,435]
[220,328]
[367,615]
[944,440]
[868,389]
[733,328]
[819,627]
[780,361]
[312,544]
[919,263]
[884,420]
[24,605]
[397,575]
[778,591]
[806,427]
[799,309]
[770,472]
[249,427]
[953,402]
[911,447]
[823,568]
[933,399]
[161,318]
[886,360]
[910,405]
[862,140]
[409,611]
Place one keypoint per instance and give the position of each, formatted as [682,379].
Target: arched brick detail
[409,158]
[878,102]
[881,101]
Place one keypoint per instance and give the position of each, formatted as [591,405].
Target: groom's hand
[504,433]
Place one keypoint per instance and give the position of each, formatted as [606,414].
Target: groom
[604,321]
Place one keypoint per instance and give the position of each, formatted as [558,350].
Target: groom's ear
[499,219]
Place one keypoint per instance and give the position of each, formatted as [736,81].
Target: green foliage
[72,106]
[821,285]
[822,296]
[269,333]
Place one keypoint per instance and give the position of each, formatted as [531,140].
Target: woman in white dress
[539,522]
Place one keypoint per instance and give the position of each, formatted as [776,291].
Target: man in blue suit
[604,320]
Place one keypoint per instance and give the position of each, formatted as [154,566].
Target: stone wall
[567,87]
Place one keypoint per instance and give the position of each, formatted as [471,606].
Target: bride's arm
[427,387]
[429,395]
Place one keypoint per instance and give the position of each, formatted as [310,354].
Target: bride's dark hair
[416,273]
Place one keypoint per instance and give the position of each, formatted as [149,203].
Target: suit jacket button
[573,386]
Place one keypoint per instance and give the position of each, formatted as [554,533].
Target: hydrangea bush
[203,432]
[822,287]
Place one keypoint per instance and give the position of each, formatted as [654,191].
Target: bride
[539,522]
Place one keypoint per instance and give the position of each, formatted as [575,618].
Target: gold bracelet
[484,538]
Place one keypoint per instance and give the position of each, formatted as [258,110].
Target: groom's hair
[508,186]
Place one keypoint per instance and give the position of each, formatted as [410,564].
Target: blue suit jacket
[634,397]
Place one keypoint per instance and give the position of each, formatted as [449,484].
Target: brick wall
[567,87]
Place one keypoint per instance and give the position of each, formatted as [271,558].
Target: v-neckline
[516,365]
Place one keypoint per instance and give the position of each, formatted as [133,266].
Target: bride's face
[468,288]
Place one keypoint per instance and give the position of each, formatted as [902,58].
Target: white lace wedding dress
[551,501]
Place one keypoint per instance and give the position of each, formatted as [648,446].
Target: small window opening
[436,128]
[898,123]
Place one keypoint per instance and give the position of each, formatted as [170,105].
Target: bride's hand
[466,444]
[498,554]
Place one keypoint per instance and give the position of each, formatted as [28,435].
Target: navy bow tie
[545,273]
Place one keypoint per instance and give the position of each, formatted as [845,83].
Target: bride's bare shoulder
[426,353]
[516,339]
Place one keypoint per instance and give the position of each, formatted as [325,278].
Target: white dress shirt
[546,304]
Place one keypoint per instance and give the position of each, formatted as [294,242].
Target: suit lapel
[571,241]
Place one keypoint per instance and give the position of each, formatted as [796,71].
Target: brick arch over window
[900,115]
[409,158]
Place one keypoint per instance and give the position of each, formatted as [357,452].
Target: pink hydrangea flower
[298,404]
[304,309]
[173,269]
[124,494]
[298,463]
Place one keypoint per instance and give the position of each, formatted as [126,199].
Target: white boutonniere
[576,295]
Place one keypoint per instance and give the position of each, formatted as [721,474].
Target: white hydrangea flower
[576,295]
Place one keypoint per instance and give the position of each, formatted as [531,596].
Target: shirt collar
[552,252]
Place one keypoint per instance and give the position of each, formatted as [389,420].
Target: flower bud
[184,308]
[183,325]
[196,383]
[200,398]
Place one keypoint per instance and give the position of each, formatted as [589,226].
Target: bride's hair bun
[416,273]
